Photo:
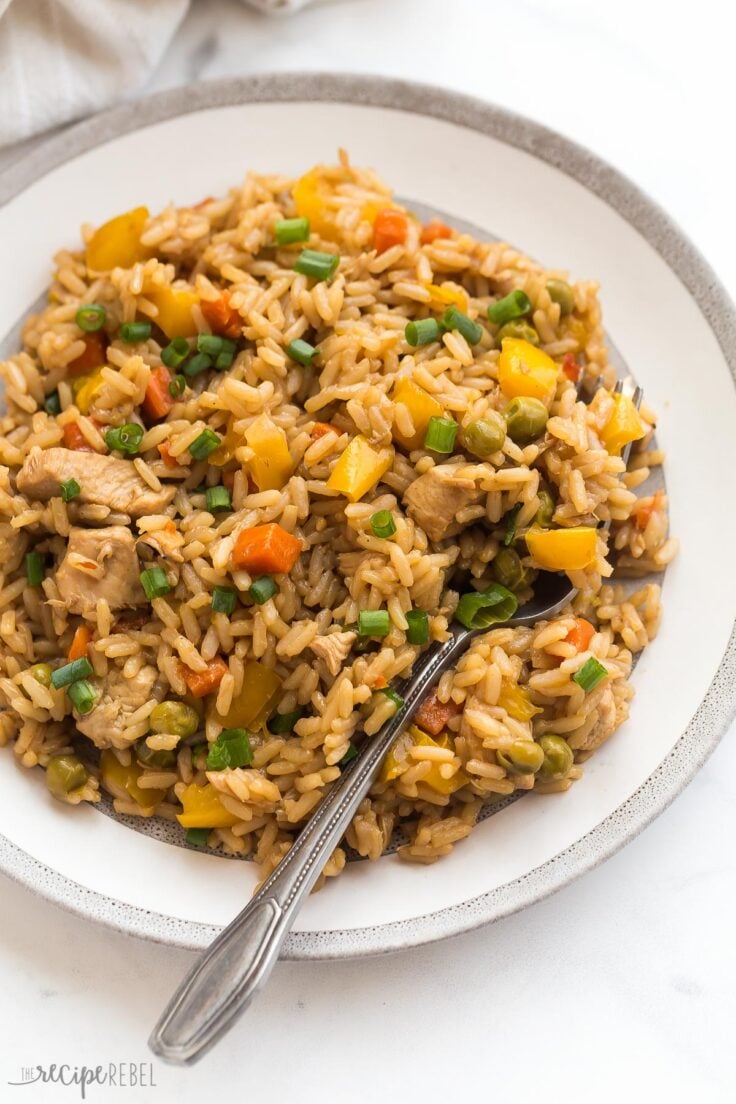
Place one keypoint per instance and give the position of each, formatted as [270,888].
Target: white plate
[674,326]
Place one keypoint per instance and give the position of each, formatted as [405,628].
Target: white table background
[623,983]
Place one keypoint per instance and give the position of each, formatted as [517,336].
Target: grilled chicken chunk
[103,480]
[435,498]
[106,726]
[100,563]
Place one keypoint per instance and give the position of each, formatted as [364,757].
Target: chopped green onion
[321,266]
[590,674]
[224,360]
[301,351]
[82,696]
[218,498]
[441,434]
[281,723]
[224,600]
[232,748]
[200,362]
[514,305]
[154,582]
[291,230]
[210,343]
[350,754]
[91,317]
[262,589]
[454,319]
[197,837]
[71,672]
[126,438]
[135,331]
[422,332]
[393,697]
[511,522]
[34,568]
[177,387]
[374,623]
[69,489]
[383,524]
[175,352]
[206,443]
[53,404]
[492,606]
[418,626]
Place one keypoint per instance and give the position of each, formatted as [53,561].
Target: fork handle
[225,980]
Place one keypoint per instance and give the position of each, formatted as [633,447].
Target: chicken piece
[334,649]
[608,720]
[100,563]
[166,542]
[107,724]
[435,498]
[103,481]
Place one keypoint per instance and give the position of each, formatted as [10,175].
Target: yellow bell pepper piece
[257,700]
[126,778]
[359,468]
[523,369]
[203,808]
[421,406]
[447,295]
[394,763]
[517,703]
[623,426]
[312,194]
[85,389]
[562,549]
[117,243]
[272,465]
[175,310]
[225,452]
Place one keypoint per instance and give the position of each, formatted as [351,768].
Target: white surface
[622,983]
[574,229]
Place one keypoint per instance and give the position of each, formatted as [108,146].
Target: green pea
[41,673]
[518,329]
[485,436]
[65,773]
[525,419]
[558,758]
[560,292]
[507,568]
[147,757]
[546,509]
[523,757]
[174,717]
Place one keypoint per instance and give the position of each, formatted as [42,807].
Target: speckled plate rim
[718,707]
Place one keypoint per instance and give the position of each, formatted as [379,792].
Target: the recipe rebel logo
[120,1075]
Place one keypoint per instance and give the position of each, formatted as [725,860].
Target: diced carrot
[94,355]
[319,429]
[164,451]
[389,229]
[221,316]
[571,368]
[643,513]
[266,549]
[434,714]
[75,439]
[433,230]
[80,643]
[581,634]
[200,683]
[379,682]
[158,400]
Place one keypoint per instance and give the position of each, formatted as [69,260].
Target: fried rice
[241,493]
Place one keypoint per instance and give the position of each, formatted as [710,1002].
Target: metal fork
[229,974]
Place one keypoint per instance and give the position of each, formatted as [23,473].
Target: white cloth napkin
[61,59]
